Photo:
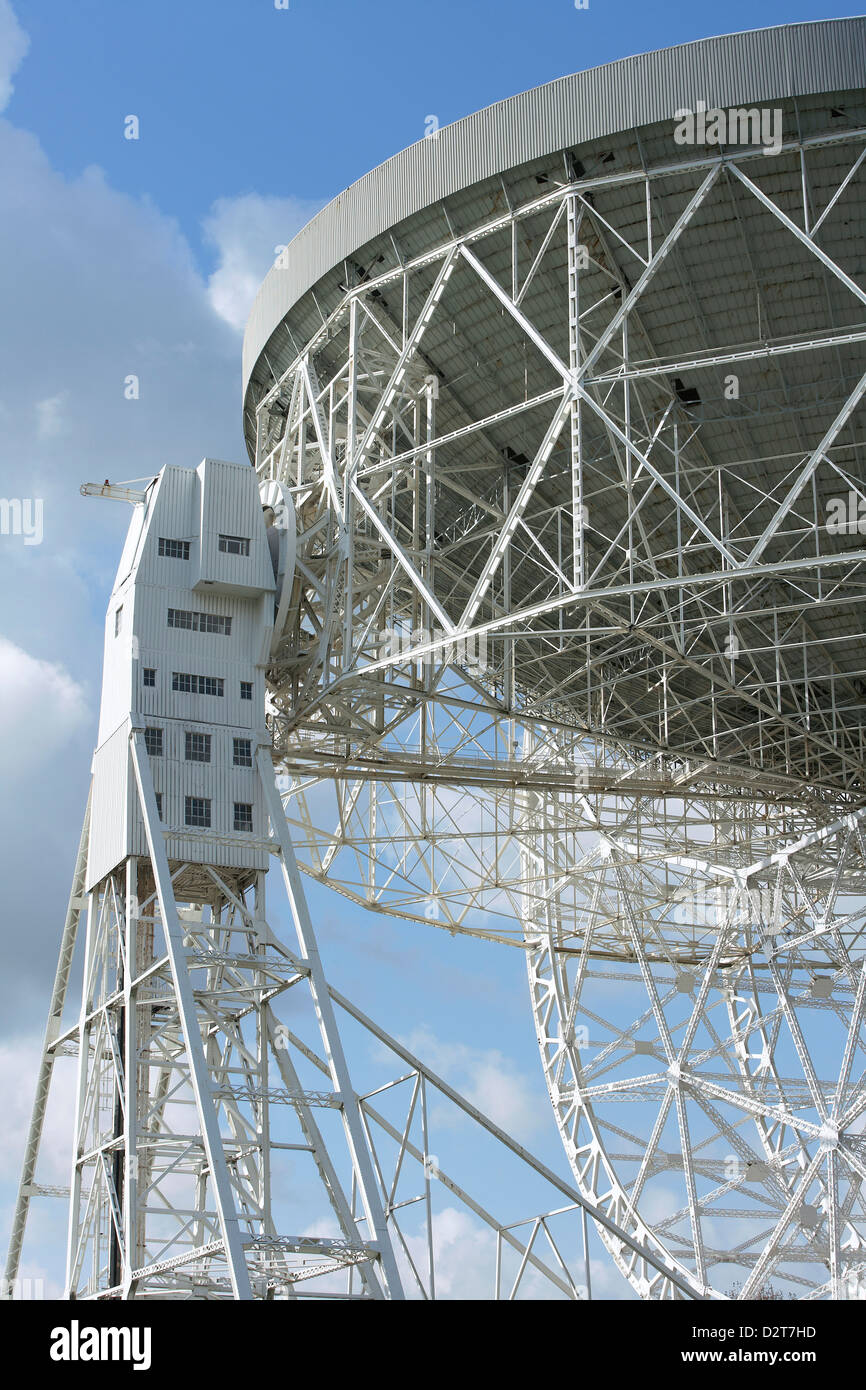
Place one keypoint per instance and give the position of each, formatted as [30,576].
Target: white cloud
[19,1062]
[41,1271]
[464,1257]
[50,420]
[487,1078]
[14,44]
[247,232]
[118,283]
[41,707]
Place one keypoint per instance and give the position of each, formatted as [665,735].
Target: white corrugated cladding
[230,508]
[184,516]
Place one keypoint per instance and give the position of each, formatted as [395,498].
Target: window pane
[200,622]
[197,811]
[198,748]
[173,550]
[153,742]
[197,685]
[243,752]
[234,545]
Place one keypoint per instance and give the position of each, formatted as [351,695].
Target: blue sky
[142,256]
[236,97]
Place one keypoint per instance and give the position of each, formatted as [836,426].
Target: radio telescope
[568,398]
[548,579]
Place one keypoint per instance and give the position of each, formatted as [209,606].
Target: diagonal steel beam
[838,194]
[677,499]
[644,278]
[329,469]
[403,559]
[328,1029]
[517,314]
[409,350]
[796,231]
[809,468]
[521,502]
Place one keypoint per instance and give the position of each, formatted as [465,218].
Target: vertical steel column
[574,214]
[348,538]
[84,1027]
[198,1071]
[334,1054]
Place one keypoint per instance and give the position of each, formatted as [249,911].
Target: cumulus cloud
[487,1078]
[464,1259]
[49,415]
[248,233]
[41,707]
[19,1060]
[14,44]
[41,1273]
[95,285]
[464,1256]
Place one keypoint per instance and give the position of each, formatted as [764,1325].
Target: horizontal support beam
[726,359]
[587,597]
[454,771]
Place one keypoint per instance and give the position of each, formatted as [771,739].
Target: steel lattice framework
[179,1167]
[575,643]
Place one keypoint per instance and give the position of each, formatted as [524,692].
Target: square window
[243,815]
[243,752]
[153,742]
[197,811]
[149,676]
[198,748]
[246,690]
[234,545]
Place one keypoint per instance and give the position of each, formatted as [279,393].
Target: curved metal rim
[759,64]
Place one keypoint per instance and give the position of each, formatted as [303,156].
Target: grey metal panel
[230,504]
[110,825]
[758,66]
